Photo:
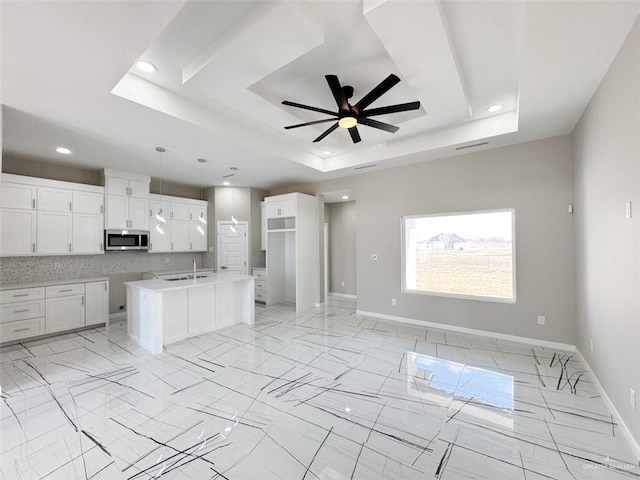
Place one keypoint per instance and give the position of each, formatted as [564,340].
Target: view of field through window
[467,254]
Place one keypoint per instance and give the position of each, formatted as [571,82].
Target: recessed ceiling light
[345,197]
[146,67]
[226,183]
[63,150]
[326,152]
[494,108]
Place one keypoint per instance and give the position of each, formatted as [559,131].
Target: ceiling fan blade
[376,124]
[401,107]
[382,88]
[355,135]
[310,123]
[338,93]
[308,107]
[327,132]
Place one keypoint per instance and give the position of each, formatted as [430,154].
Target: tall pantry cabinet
[292,250]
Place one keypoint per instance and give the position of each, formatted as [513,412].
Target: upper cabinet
[127,197]
[280,206]
[177,224]
[50,217]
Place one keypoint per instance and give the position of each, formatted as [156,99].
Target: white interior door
[233,247]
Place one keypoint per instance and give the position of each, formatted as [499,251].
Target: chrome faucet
[194,268]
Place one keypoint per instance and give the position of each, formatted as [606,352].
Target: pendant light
[202,222]
[233,202]
[162,221]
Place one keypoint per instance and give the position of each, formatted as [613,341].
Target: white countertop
[48,283]
[158,285]
[176,272]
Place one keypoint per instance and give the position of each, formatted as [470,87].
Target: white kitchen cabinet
[260,284]
[159,242]
[18,232]
[88,202]
[54,233]
[21,313]
[279,208]
[180,236]
[197,237]
[127,200]
[179,211]
[17,195]
[64,307]
[198,213]
[293,273]
[97,303]
[87,236]
[54,199]
[174,305]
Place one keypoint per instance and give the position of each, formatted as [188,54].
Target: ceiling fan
[349,116]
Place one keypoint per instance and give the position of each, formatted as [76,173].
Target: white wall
[606,147]
[342,248]
[533,178]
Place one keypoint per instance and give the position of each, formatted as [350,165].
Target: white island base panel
[160,312]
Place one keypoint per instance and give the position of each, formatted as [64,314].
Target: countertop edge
[48,283]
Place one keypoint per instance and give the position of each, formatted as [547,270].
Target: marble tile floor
[325,394]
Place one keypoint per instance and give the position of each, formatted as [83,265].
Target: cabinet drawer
[21,310]
[21,329]
[21,294]
[260,274]
[261,297]
[260,285]
[65,290]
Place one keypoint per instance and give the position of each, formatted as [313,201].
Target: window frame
[403,246]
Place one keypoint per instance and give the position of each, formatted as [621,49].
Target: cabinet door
[180,236]
[88,233]
[16,195]
[117,212]
[175,324]
[273,209]
[54,199]
[198,213]
[138,189]
[117,186]
[88,202]
[54,233]
[139,213]
[97,303]
[179,211]
[288,208]
[17,232]
[159,242]
[197,237]
[64,313]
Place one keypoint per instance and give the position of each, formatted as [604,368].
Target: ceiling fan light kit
[350,116]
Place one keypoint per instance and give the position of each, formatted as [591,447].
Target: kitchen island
[160,312]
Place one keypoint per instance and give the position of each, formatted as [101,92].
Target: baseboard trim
[343,295]
[472,331]
[631,440]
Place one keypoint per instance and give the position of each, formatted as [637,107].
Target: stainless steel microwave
[126,240]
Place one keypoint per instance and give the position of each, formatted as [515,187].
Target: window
[460,254]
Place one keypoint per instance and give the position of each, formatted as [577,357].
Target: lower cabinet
[33,311]
[97,302]
[201,304]
[64,307]
[198,302]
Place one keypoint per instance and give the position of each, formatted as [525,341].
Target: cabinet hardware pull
[21,295]
[171,213]
[105,286]
[101,208]
[101,247]
[171,245]
[191,246]
[33,203]
[150,212]
[69,247]
[21,311]
[20,330]
[70,207]
[191,216]
[67,290]
[33,247]
[83,300]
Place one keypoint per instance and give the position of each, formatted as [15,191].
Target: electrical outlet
[56,265]
[627,210]
[342,283]
[541,319]
[393,301]
[591,344]
[632,398]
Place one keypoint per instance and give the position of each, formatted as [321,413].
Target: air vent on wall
[471,146]
[364,166]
